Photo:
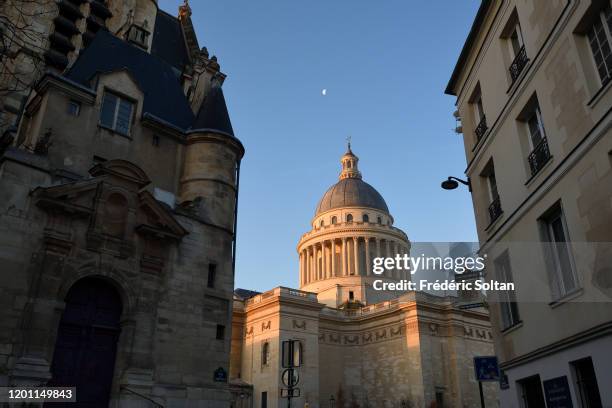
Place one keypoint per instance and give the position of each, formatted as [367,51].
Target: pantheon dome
[352,225]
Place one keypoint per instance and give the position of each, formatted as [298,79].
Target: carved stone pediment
[154,218]
[116,208]
[121,169]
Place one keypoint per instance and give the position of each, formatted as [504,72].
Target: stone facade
[534,103]
[361,347]
[117,220]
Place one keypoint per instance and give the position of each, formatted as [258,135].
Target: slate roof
[351,192]
[245,293]
[169,42]
[163,95]
[213,113]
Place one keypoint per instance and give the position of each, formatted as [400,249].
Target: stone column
[344,260]
[356,255]
[377,247]
[311,272]
[317,264]
[398,272]
[333,257]
[388,252]
[323,260]
[367,257]
[301,269]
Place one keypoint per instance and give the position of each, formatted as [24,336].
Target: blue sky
[385,65]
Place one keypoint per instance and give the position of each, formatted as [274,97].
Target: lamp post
[453,182]
[332,402]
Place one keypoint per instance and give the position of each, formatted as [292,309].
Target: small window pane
[107,113]
[124,115]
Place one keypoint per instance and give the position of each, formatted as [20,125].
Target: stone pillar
[388,254]
[333,257]
[356,255]
[317,264]
[301,269]
[344,260]
[377,247]
[367,257]
[310,264]
[396,250]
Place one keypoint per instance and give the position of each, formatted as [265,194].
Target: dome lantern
[350,167]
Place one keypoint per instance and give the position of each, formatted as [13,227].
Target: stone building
[361,347]
[117,215]
[533,94]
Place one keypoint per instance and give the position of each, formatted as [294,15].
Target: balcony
[481,128]
[495,210]
[518,64]
[539,156]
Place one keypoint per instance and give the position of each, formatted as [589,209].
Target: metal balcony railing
[539,156]
[518,64]
[481,128]
[495,209]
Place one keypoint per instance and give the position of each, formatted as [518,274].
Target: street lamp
[453,182]
[332,402]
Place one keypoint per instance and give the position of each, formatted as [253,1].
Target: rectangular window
[74,108]
[513,36]
[220,332]
[536,127]
[495,210]
[139,36]
[560,262]
[264,399]
[439,399]
[212,274]
[478,112]
[530,390]
[516,40]
[507,302]
[539,153]
[116,113]
[586,383]
[600,38]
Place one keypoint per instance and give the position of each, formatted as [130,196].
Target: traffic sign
[290,377]
[486,368]
[290,392]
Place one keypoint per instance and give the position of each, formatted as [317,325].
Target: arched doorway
[86,345]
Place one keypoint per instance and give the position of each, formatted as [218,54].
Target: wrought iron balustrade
[495,209]
[518,64]
[481,128]
[539,156]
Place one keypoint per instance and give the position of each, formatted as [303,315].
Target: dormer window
[138,36]
[116,113]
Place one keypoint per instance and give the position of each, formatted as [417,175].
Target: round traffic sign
[290,377]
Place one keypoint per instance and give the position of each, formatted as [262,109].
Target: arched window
[349,165]
[380,220]
[349,218]
[366,218]
[334,220]
[265,353]
[321,223]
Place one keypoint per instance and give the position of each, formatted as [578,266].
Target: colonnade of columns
[348,256]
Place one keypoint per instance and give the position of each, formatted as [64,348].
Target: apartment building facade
[533,95]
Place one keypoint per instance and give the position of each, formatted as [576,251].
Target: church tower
[352,225]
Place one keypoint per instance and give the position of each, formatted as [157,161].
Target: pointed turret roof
[213,115]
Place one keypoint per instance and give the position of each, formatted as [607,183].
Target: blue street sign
[486,368]
[557,393]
